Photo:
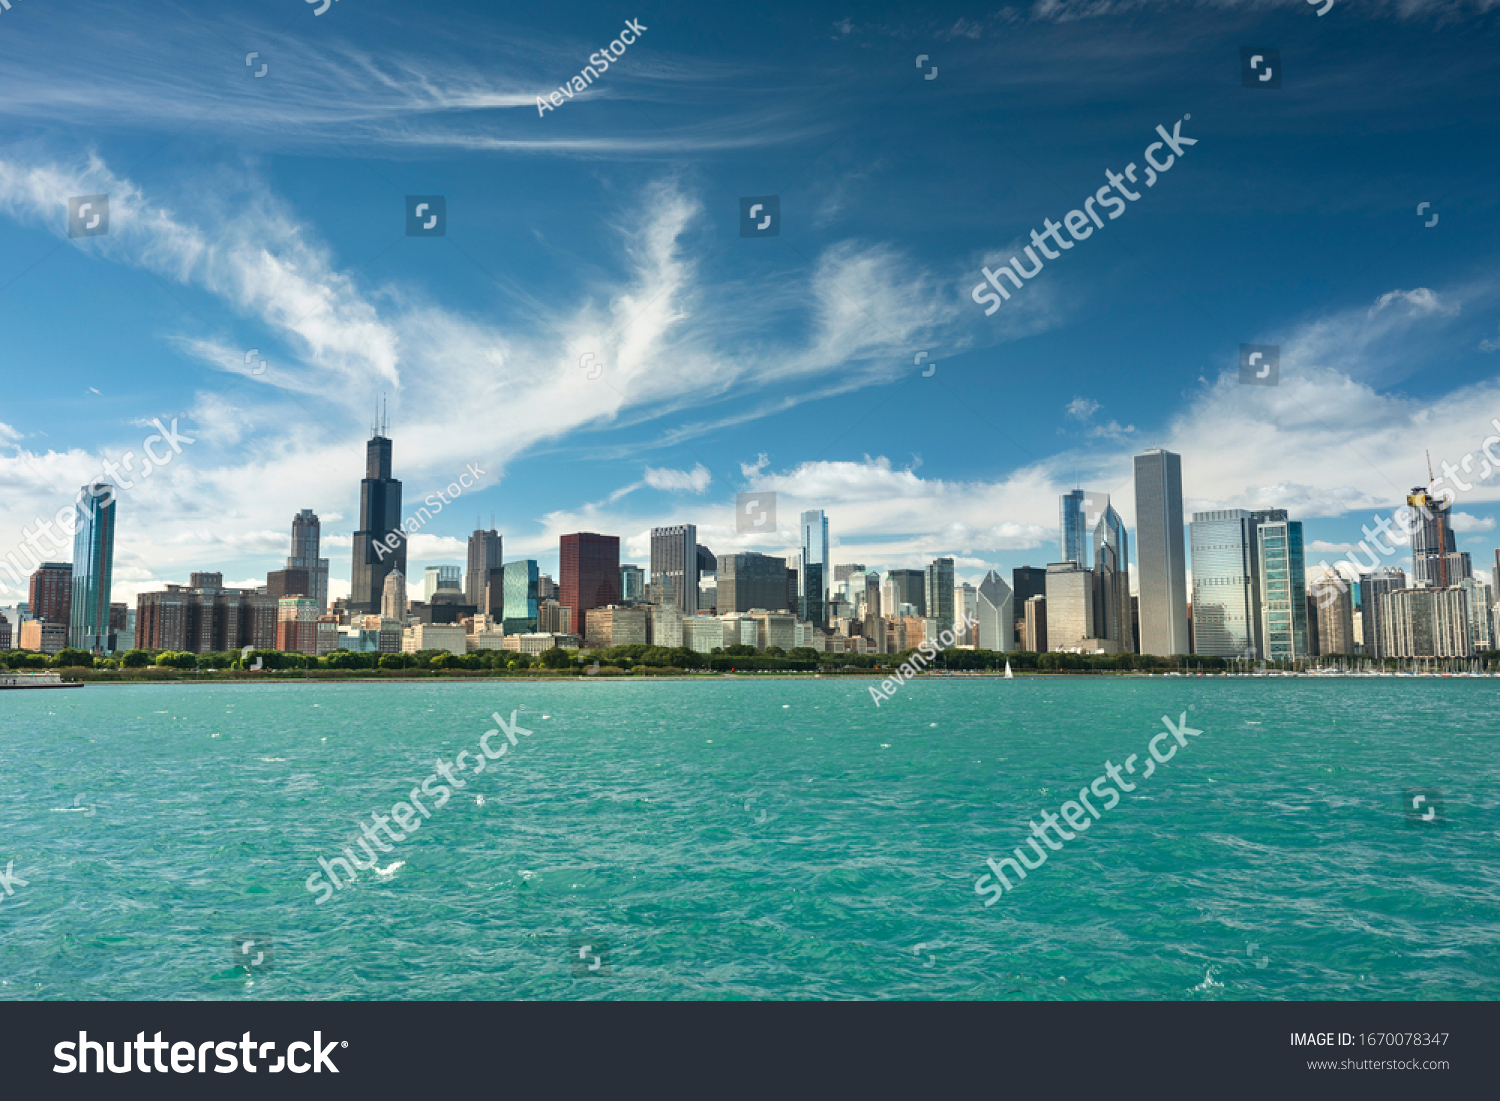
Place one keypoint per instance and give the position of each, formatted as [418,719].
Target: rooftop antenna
[1430,478]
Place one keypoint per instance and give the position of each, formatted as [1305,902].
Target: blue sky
[269,213]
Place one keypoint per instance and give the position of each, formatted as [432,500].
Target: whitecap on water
[388,872]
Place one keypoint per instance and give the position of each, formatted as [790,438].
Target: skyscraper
[93,568]
[393,596]
[674,560]
[1477,595]
[521,597]
[632,584]
[814,551]
[1427,622]
[589,574]
[1226,584]
[874,624]
[52,592]
[379,521]
[1162,569]
[1335,616]
[816,612]
[441,579]
[1371,587]
[1432,540]
[940,593]
[1073,528]
[995,609]
[306,543]
[908,587]
[484,555]
[1111,573]
[751,580]
[1283,585]
[1070,606]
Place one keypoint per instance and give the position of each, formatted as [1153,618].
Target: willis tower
[379,516]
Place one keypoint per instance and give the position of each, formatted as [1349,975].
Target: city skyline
[1388,332]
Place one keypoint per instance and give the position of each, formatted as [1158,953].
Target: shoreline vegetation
[636,661]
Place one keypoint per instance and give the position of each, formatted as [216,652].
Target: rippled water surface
[722,838]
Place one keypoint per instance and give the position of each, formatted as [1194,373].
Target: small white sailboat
[1008,674]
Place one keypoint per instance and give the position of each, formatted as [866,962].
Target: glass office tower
[521,579]
[1283,585]
[1226,584]
[1073,528]
[814,550]
[93,569]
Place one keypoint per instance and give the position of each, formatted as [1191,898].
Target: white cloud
[1463,522]
[679,481]
[1081,408]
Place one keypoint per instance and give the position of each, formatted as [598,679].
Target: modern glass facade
[751,580]
[814,550]
[1073,528]
[632,584]
[1283,587]
[1111,574]
[1226,589]
[93,568]
[521,597]
[940,592]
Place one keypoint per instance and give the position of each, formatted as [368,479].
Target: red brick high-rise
[590,572]
[52,592]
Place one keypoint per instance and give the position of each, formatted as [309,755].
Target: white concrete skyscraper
[995,609]
[1162,567]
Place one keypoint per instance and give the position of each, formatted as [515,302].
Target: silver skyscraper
[1162,567]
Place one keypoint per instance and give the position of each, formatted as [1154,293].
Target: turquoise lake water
[723,838]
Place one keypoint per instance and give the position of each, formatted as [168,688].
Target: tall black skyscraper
[379,516]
